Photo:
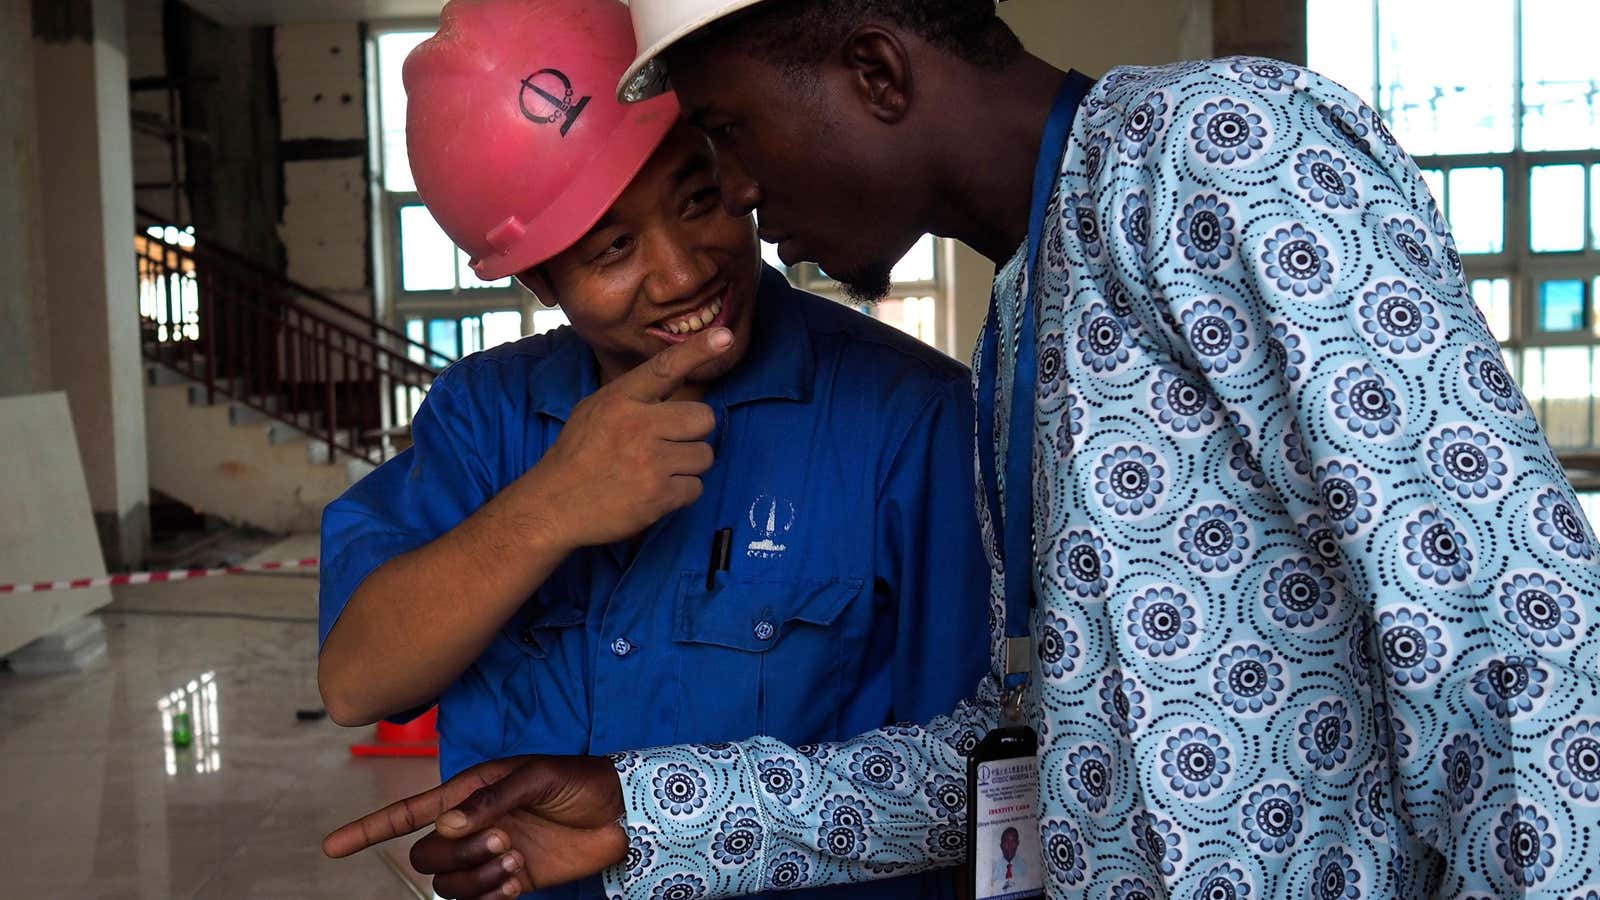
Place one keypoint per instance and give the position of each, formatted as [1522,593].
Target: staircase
[265,399]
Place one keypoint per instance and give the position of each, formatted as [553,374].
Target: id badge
[1006,859]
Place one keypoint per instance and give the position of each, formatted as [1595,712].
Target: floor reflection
[191,731]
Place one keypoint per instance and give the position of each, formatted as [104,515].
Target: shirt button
[621,647]
[764,630]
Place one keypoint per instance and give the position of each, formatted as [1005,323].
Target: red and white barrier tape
[76,584]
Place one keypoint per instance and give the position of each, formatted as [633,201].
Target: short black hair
[1010,832]
[796,34]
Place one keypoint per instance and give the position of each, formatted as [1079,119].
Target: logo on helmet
[547,98]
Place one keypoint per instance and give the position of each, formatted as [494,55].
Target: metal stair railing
[289,352]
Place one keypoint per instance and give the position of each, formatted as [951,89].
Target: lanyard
[1014,526]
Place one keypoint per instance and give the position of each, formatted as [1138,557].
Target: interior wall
[1096,37]
[1270,28]
[1092,38]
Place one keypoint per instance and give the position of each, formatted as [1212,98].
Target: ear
[537,281]
[880,72]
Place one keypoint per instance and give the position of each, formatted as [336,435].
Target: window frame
[1517,261]
[407,301]
[1526,270]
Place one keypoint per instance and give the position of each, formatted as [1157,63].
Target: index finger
[394,820]
[413,813]
[668,370]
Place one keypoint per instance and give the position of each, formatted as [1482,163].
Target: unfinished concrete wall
[230,117]
[154,117]
[322,99]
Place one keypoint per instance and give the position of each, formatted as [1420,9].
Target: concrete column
[1271,28]
[86,183]
[24,312]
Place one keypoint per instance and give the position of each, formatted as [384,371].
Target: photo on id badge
[1007,856]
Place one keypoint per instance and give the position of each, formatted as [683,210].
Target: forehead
[682,155]
[712,74]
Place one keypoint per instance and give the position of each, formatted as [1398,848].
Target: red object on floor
[418,737]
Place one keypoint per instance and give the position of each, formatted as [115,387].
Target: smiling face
[666,261]
[811,155]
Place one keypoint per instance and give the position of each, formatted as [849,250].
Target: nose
[741,194]
[680,268]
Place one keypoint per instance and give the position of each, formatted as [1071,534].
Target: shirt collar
[569,374]
[778,364]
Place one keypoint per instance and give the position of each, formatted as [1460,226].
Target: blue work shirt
[857,585]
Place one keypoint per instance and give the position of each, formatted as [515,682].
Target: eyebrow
[695,165]
[606,221]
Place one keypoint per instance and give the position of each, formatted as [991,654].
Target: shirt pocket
[538,628]
[762,655]
[537,667]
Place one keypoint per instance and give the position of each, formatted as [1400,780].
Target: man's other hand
[505,827]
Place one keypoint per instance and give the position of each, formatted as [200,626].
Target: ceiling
[294,12]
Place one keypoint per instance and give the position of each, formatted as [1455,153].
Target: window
[917,294]
[169,293]
[1499,101]
[428,283]
[452,336]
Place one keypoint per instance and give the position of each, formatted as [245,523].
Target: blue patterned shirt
[1317,606]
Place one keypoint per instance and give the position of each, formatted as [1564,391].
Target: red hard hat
[517,141]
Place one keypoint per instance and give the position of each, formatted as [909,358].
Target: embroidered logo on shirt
[770,517]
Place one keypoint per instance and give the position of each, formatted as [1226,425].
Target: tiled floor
[96,803]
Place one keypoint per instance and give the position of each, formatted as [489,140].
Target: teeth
[696,321]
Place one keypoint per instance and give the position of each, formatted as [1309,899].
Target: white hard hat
[657,25]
